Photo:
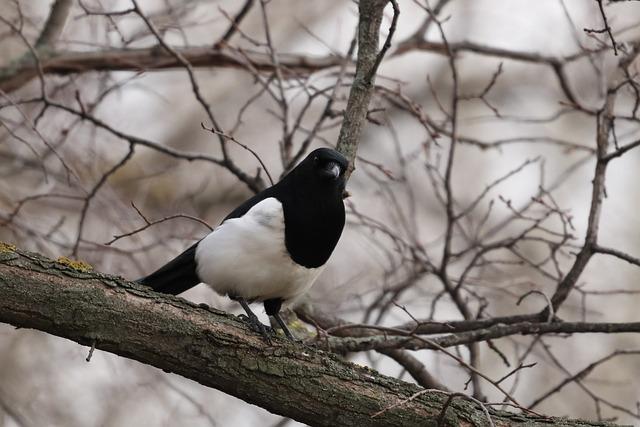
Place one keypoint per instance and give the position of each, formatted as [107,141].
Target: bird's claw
[257,326]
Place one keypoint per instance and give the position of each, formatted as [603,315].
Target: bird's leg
[272,307]
[253,320]
[284,327]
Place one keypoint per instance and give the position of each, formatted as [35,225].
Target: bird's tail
[176,276]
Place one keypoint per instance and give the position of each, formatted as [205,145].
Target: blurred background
[70,186]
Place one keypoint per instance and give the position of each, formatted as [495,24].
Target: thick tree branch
[216,349]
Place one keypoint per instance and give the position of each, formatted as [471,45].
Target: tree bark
[218,350]
[370,13]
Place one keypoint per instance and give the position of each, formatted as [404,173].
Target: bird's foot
[257,326]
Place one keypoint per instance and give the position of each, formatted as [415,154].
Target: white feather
[247,257]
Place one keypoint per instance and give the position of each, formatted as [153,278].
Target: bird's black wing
[180,274]
[176,276]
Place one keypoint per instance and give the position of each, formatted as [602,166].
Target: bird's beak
[332,169]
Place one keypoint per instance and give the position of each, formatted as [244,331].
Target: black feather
[176,276]
[313,208]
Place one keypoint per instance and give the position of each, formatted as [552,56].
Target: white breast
[247,257]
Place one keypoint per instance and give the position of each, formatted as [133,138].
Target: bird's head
[323,169]
[328,167]
[328,164]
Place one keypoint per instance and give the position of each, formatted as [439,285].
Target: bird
[272,247]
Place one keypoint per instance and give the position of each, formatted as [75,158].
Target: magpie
[273,246]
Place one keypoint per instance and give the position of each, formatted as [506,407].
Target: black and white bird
[273,246]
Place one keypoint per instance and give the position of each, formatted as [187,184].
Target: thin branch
[393,338]
[235,24]
[371,12]
[580,375]
[618,254]
[255,183]
[55,23]
[606,29]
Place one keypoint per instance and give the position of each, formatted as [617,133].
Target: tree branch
[397,338]
[55,23]
[63,63]
[217,350]
[369,58]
